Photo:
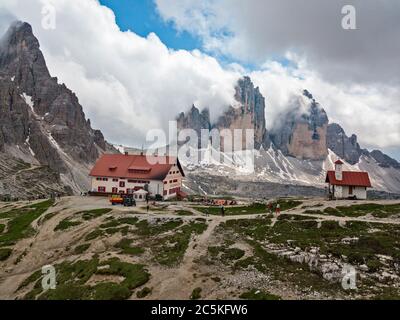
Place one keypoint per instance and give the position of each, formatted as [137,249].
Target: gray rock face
[248,114]
[345,147]
[38,116]
[349,149]
[301,131]
[195,120]
[384,160]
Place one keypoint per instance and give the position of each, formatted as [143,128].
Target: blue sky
[141,16]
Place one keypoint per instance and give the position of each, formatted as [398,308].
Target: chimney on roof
[126,153]
[339,170]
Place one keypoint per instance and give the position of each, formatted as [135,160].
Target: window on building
[351,189]
[122,184]
[102,189]
[114,190]
[115,180]
[165,192]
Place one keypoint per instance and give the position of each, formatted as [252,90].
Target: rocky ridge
[41,121]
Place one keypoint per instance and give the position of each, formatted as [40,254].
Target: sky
[134,64]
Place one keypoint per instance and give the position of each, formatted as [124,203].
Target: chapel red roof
[134,166]
[349,178]
[339,162]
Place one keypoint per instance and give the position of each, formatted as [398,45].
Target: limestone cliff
[41,121]
[301,132]
[248,113]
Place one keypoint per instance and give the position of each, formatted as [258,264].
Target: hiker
[223,211]
[148,208]
[269,207]
[278,209]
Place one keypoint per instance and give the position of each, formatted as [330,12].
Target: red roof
[350,178]
[134,167]
[339,162]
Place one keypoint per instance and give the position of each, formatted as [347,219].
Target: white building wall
[169,183]
[338,192]
[344,192]
[155,187]
[360,193]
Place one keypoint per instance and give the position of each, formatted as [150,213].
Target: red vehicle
[117,199]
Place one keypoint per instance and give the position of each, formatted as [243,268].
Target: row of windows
[115,190]
[139,181]
[122,183]
[172,191]
[171,181]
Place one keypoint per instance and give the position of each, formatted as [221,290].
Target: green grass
[82,248]
[19,226]
[385,240]
[255,208]
[144,293]
[5,254]
[169,250]
[287,204]
[196,294]
[67,224]
[93,214]
[255,294]
[125,245]
[73,276]
[184,213]
[226,254]
[360,210]
[94,235]
[2,228]
[48,217]
[144,228]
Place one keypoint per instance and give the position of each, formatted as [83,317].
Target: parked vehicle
[116,199]
[129,201]
[125,200]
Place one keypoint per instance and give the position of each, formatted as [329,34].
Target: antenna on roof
[142,153]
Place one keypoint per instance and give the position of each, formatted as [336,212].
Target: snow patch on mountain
[273,166]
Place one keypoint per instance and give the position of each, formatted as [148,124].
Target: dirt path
[182,283]
[48,247]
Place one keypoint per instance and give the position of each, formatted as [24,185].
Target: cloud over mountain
[129,84]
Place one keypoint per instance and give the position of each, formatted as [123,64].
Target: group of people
[271,208]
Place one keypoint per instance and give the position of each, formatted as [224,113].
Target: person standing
[223,211]
[278,209]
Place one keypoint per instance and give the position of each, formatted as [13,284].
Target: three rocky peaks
[47,145]
[303,131]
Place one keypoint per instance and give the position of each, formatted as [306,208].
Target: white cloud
[370,111]
[128,84]
[254,30]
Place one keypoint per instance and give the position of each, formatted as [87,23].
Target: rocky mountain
[301,146]
[301,132]
[247,113]
[345,147]
[42,124]
[196,120]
